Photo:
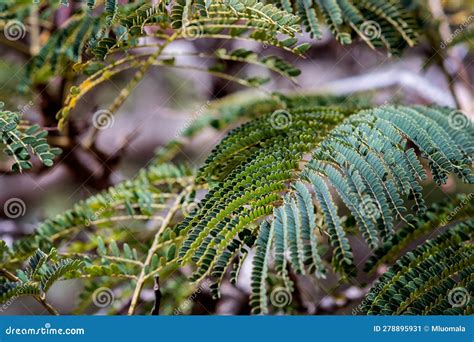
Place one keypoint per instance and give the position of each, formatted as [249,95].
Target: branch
[40,299]
[156,308]
[143,275]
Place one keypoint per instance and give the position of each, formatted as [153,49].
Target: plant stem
[156,308]
[47,306]
[143,275]
[39,298]
[35,31]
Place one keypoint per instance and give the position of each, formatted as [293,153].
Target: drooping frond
[379,23]
[277,183]
[57,270]
[42,271]
[103,39]
[435,217]
[364,156]
[436,278]
[21,140]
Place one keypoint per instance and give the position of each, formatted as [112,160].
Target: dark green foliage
[274,183]
[433,279]
[464,35]
[435,217]
[363,156]
[295,181]
[42,271]
[379,23]
[22,140]
[11,290]
[106,256]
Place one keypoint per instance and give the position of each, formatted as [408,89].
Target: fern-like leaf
[21,141]
[355,153]
[433,279]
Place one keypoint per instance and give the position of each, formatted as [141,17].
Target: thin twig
[156,308]
[39,298]
[143,275]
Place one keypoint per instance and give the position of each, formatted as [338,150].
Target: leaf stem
[143,274]
[39,298]
[47,306]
